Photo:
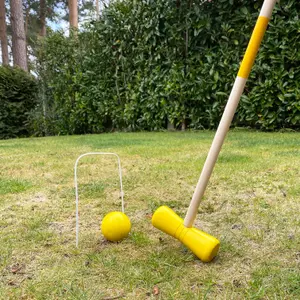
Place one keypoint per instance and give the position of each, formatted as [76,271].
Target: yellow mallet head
[202,244]
[115,226]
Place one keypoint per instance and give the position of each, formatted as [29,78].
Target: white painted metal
[76,185]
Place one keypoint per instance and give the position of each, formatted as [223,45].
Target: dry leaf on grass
[155,290]
[16,268]
[149,216]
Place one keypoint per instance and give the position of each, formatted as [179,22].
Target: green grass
[8,186]
[252,205]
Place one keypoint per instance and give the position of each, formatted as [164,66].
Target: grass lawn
[252,205]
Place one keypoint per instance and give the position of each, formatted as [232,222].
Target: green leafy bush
[18,95]
[147,63]
[272,99]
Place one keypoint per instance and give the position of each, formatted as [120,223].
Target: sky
[61,24]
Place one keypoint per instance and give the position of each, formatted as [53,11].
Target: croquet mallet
[203,245]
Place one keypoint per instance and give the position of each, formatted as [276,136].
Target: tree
[3,35]
[42,17]
[18,34]
[97,9]
[73,14]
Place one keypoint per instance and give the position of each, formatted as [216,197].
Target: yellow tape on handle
[252,49]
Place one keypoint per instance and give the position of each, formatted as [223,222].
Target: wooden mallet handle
[234,98]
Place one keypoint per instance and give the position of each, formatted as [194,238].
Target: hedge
[147,63]
[18,96]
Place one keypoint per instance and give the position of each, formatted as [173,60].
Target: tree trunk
[73,14]
[27,9]
[43,7]
[18,34]
[3,35]
[97,9]
[183,125]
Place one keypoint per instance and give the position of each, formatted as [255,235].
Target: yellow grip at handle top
[253,46]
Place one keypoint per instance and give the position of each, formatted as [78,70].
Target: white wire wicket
[76,185]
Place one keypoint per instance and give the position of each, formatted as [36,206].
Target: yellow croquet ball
[115,226]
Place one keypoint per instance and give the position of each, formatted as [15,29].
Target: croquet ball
[115,226]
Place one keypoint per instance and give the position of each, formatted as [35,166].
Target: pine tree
[18,34]
[3,34]
[73,14]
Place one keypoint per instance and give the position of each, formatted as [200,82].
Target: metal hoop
[76,185]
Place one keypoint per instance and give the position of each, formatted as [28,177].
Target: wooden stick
[234,98]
